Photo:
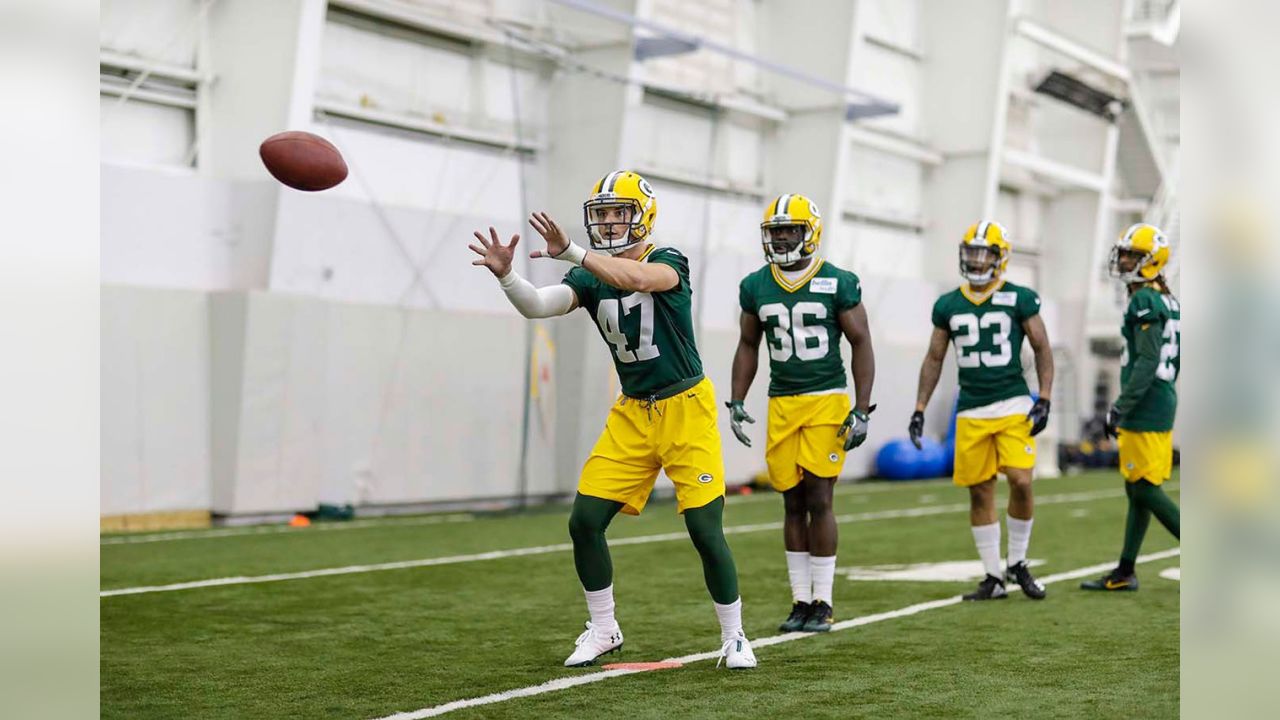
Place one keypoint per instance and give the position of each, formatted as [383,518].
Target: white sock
[798,570]
[730,619]
[987,538]
[1019,538]
[600,605]
[824,576]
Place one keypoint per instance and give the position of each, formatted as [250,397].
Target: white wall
[155,400]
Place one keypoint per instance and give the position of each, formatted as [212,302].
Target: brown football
[303,161]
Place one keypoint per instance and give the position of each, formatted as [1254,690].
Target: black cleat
[820,618]
[1021,574]
[991,588]
[795,621]
[1114,581]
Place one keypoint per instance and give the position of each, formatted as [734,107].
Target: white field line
[919,511]
[568,682]
[855,489]
[285,529]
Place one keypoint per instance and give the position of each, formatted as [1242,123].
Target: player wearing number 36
[986,318]
[801,305]
[638,294]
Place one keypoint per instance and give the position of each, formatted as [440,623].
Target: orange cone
[299,521]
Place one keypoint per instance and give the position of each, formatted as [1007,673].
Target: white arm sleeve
[535,302]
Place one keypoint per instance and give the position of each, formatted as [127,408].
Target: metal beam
[1059,43]
[863,103]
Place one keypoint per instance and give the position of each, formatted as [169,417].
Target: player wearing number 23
[801,305]
[986,319]
[638,296]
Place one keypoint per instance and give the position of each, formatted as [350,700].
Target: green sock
[706,529]
[1160,505]
[588,520]
[1135,529]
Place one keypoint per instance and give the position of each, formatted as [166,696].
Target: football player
[803,305]
[1141,419]
[986,318]
[638,295]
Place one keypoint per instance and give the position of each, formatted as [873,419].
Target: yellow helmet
[1151,249]
[986,240]
[619,190]
[791,210]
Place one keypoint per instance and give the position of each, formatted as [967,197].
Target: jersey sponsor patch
[1005,298]
[824,285]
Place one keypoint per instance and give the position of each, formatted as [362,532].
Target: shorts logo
[705,478]
[1128,466]
[833,457]
[1027,448]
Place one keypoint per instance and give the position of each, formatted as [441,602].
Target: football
[303,161]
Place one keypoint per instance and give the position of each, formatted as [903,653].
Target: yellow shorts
[985,445]
[677,434]
[802,436]
[1145,456]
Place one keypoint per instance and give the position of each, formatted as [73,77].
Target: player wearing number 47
[639,296]
[802,305]
[987,318]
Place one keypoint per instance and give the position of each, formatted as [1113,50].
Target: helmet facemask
[786,242]
[980,263]
[613,224]
[1134,260]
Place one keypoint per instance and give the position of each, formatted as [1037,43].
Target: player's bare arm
[857,330]
[618,271]
[930,370]
[746,360]
[1038,337]
[532,302]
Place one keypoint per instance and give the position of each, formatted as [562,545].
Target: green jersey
[987,334]
[800,324]
[650,334]
[1155,409]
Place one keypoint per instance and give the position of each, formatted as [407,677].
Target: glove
[1113,419]
[1039,416]
[916,428]
[737,414]
[854,429]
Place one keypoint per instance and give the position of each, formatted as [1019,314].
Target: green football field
[412,614]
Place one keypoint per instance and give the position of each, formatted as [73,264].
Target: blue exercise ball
[898,459]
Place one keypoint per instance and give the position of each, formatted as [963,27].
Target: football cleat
[991,588]
[1021,574]
[736,653]
[820,618]
[984,252]
[1114,581]
[591,644]
[795,621]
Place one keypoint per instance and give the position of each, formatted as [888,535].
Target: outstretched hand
[493,254]
[557,240]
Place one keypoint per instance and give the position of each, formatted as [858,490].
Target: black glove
[1113,418]
[916,428]
[855,427]
[1039,416]
[737,414]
